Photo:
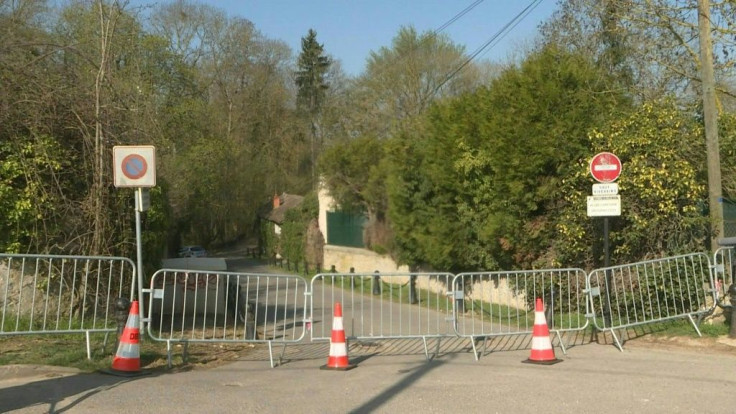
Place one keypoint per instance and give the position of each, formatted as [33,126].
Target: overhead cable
[458,16]
[498,36]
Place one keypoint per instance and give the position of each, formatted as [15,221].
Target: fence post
[352,279]
[376,283]
[549,308]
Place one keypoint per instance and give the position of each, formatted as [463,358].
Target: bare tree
[653,44]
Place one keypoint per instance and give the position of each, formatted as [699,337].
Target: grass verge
[70,350]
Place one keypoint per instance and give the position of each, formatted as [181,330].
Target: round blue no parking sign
[134,166]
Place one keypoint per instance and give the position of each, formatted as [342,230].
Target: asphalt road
[395,377]
[591,378]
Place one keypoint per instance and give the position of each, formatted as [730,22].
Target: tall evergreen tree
[312,85]
[476,187]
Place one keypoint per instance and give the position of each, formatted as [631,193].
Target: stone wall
[20,297]
[362,260]
[366,261]
[497,291]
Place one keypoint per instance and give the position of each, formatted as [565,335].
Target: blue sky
[350,30]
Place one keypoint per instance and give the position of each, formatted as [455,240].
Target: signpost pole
[139,256]
[606,264]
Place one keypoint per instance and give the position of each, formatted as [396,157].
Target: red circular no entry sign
[605,167]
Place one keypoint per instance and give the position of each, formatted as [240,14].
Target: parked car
[192,251]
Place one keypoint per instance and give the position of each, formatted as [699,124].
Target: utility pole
[710,114]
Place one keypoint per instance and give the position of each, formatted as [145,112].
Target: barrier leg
[695,325]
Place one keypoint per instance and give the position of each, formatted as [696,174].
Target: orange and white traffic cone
[338,358]
[542,351]
[127,359]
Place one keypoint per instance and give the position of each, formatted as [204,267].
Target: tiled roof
[287,202]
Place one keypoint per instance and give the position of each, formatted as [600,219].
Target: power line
[430,34]
[458,16]
[513,23]
[498,36]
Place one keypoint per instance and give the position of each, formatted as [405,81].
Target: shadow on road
[433,349]
[401,386]
[49,393]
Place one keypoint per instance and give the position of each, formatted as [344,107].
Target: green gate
[345,229]
[729,218]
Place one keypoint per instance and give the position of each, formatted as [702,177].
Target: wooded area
[478,168]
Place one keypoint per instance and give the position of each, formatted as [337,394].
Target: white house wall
[326,203]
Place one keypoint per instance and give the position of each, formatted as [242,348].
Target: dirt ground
[717,345]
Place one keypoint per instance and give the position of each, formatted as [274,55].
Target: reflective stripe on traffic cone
[338,358]
[542,351]
[127,359]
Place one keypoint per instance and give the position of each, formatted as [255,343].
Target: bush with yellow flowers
[663,189]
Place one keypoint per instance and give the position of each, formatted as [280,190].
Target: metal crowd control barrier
[502,303]
[54,294]
[724,284]
[724,262]
[188,306]
[651,291]
[379,306]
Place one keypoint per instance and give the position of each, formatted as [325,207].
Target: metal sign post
[140,206]
[135,167]
[605,202]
